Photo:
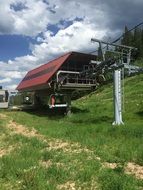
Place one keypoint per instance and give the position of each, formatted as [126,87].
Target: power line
[136,26]
[128,32]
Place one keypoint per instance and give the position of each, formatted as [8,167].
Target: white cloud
[73,38]
[11,87]
[76,37]
[12,74]
[33,17]
[5,80]
[36,15]
[33,20]
[29,21]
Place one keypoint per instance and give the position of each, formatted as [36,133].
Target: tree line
[135,39]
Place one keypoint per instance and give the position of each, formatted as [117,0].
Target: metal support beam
[117,98]
[112,44]
[65,72]
[68,110]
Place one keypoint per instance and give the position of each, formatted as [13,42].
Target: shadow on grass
[96,120]
[140,113]
[78,110]
[46,112]
[54,113]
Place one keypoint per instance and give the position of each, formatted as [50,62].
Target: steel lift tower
[124,53]
[117,98]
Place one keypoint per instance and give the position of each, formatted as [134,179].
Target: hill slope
[83,151]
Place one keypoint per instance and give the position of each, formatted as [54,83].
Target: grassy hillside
[83,151]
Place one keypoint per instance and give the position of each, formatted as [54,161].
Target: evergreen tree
[127,37]
[138,41]
[134,39]
[142,43]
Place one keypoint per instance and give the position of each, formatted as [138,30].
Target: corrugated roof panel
[42,74]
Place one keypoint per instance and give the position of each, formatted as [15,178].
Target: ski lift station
[60,80]
[72,75]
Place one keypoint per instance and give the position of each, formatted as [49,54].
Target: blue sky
[32,32]
[12,46]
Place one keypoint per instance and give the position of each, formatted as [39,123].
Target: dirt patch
[20,129]
[67,147]
[94,185]
[67,186]
[5,151]
[46,164]
[110,165]
[2,116]
[53,144]
[60,164]
[71,185]
[131,168]
[49,163]
[134,169]
[57,144]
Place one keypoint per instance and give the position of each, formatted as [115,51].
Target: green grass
[90,125]
[139,62]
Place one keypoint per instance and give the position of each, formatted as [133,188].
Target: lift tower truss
[122,51]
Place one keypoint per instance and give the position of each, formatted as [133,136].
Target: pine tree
[134,39]
[138,41]
[142,43]
[127,37]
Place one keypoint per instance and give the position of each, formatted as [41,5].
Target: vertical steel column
[68,110]
[117,98]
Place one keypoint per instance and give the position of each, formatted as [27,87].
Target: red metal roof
[39,77]
[42,74]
